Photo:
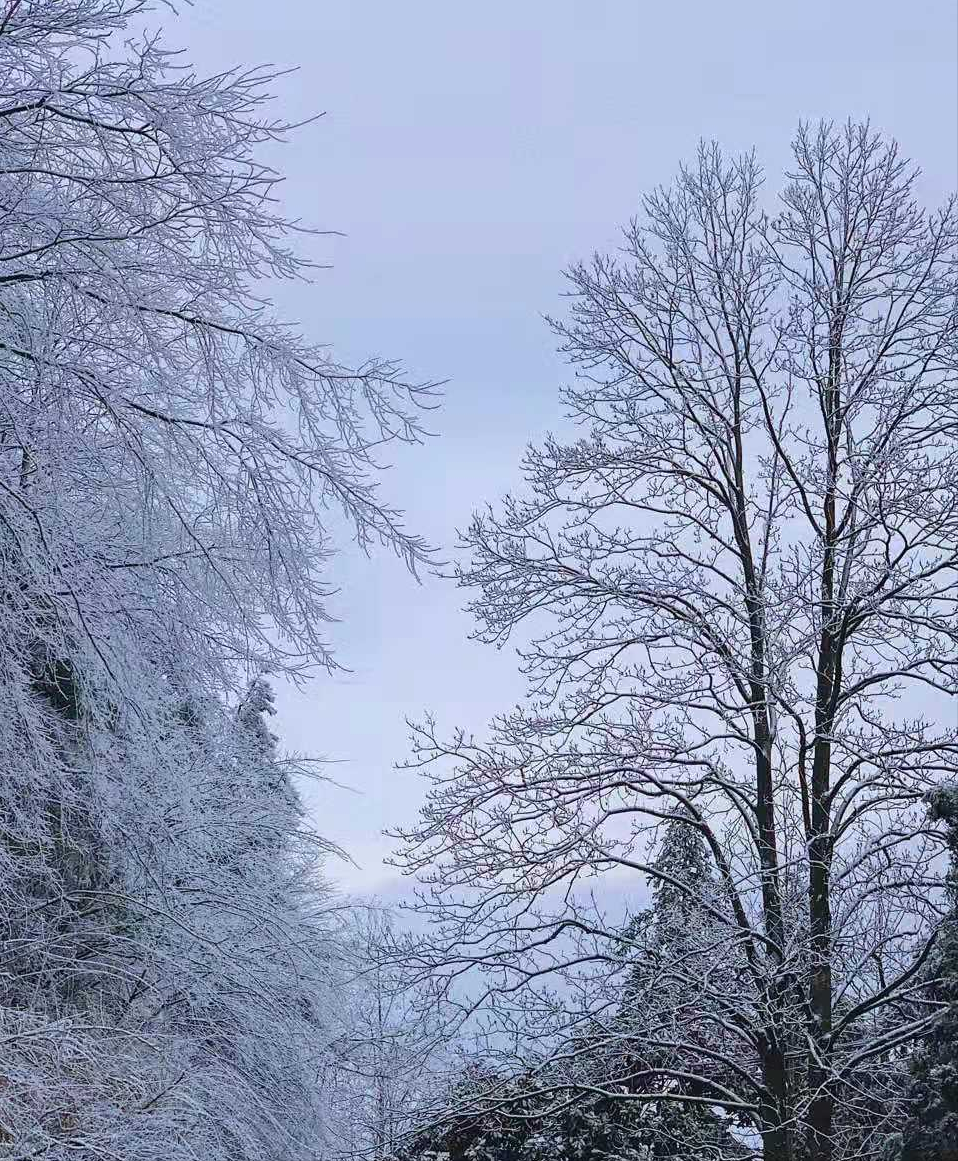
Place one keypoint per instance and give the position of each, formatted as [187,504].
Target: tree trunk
[821,1116]
[820,1145]
[777,1126]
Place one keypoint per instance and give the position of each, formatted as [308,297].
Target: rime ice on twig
[742,584]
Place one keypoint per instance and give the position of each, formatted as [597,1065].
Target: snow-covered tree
[740,588]
[490,1118]
[681,991]
[930,1131]
[171,457]
[389,1054]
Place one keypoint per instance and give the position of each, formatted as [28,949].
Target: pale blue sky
[469,152]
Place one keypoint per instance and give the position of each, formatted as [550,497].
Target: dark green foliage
[591,1110]
[930,1132]
[56,680]
[522,1123]
[683,973]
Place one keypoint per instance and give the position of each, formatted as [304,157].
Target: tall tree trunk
[777,1127]
[828,679]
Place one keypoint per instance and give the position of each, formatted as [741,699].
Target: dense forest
[734,596]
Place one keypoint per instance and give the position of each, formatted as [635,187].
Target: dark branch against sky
[468,154]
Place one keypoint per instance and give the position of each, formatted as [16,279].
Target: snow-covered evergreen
[930,1128]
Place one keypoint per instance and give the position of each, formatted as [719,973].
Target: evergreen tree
[930,1131]
[263,781]
[517,1122]
[679,969]
[680,986]
[515,1125]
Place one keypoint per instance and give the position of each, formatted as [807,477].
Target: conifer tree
[678,994]
[930,1130]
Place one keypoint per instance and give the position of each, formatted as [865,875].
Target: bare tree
[156,421]
[172,457]
[390,1058]
[742,585]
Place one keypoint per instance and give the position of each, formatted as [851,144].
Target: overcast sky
[469,153]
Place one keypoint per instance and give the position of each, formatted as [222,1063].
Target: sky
[468,153]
